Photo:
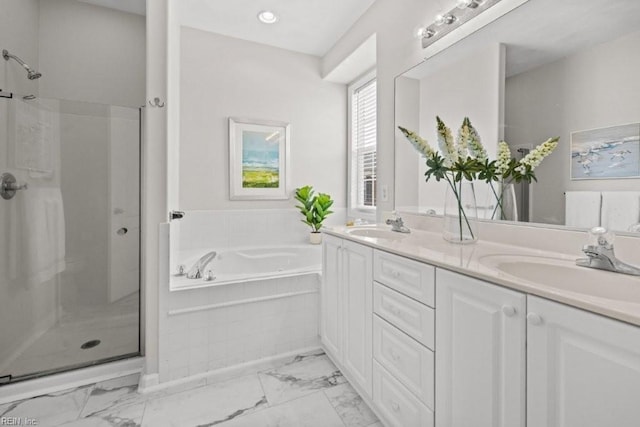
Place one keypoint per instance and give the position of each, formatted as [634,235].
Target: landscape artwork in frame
[606,153]
[259,159]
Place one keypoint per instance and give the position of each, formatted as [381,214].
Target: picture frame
[606,153]
[259,159]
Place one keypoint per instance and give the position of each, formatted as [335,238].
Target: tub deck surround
[248,264]
[305,389]
[472,260]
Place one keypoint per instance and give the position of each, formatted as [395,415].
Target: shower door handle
[9,186]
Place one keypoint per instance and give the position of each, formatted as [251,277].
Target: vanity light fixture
[267,17]
[423,33]
[471,4]
[444,23]
[447,19]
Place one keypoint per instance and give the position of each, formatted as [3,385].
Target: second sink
[565,275]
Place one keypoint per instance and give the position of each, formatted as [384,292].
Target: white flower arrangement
[466,158]
[537,155]
[476,149]
[504,158]
[419,143]
[447,146]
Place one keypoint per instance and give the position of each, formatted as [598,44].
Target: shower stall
[69,234]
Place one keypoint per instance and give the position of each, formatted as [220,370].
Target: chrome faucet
[600,254]
[398,225]
[196,271]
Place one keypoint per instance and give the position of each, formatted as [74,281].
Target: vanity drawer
[397,405]
[412,278]
[413,318]
[409,361]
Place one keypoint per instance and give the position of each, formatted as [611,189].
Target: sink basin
[563,274]
[376,233]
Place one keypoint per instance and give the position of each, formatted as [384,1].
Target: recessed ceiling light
[267,17]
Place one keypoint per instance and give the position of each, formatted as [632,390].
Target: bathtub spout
[198,268]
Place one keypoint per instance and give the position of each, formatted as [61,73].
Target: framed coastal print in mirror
[606,153]
[258,159]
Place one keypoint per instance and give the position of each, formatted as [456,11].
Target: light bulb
[463,4]
[425,33]
[267,17]
[445,19]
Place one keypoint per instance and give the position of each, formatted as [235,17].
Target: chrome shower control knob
[181,270]
[534,319]
[208,276]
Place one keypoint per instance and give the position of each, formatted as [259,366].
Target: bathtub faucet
[198,268]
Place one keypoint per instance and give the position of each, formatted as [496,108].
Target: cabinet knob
[394,355]
[395,406]
[534,319]
[508,310]
[395,273]
[395,311]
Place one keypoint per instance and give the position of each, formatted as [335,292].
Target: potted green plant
[315,209]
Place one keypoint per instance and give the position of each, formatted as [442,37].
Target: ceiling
[132,6]
[307,26]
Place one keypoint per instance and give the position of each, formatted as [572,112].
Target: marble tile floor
[305,391]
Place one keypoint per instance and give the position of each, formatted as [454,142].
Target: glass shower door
[69,235]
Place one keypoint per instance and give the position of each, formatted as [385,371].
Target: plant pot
[315,237]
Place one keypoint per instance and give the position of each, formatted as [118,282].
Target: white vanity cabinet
[403,340]
[583,370]
[346,324]
[480,353]
[427,346]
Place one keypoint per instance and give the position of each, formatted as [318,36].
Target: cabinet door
[583,370]
[357,313]
[480,353]
[331,295]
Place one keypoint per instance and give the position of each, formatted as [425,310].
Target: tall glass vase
[502,202]
[460,213]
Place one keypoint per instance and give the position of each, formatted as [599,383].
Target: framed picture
[259,159]
[606,153]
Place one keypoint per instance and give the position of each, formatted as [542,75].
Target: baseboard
[148,381]
[227,373]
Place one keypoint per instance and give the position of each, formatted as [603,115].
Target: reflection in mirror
[548,68]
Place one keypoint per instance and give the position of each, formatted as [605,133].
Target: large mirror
[569,69]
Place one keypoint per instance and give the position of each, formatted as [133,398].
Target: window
[362,147]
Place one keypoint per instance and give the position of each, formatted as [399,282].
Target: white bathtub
[250,264]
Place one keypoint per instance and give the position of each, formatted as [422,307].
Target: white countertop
[618,298]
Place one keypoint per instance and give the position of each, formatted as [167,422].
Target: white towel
[35,137]
[620,209]
[44,234]
[582,209]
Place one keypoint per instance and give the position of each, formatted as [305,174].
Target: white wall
[223,77]
[19,35]
[594,88]
[91,53]
[407,159]
[394,22]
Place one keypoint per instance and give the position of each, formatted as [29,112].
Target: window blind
[363,145]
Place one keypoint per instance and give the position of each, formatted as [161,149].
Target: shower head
[31,73]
